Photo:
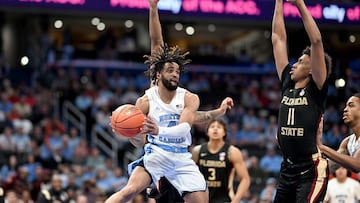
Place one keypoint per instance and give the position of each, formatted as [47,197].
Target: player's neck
[301,83]
[215,145]
[356,130]
[166,95]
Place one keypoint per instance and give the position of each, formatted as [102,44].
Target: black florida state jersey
[216,169]
[299,115]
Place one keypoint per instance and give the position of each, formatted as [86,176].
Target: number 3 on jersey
[212,174]
[291,116]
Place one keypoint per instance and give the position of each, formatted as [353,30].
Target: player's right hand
[226,104]
[153,3]
[150,127]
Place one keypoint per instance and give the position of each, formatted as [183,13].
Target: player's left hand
[150,127]
[226,104]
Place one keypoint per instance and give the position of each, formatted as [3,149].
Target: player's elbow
[276,38]
[316,40]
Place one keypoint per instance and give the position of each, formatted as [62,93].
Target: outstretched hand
[153,3]
[226,104]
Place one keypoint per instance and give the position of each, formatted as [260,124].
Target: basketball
[127,120]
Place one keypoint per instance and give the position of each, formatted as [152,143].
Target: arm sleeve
[180,129]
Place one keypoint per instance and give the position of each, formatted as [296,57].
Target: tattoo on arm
[205,116]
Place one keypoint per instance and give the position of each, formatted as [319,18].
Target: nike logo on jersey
[203,154]
[303,172]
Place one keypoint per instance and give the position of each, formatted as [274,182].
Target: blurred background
[66,64]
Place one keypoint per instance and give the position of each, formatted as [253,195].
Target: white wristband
[181,129]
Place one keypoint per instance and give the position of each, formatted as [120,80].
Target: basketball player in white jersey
[348,154]
[171,112]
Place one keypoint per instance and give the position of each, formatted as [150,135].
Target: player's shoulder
[234,153]
[196,149]
[191,95]
[143,103]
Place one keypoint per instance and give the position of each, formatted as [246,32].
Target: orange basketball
[127,120]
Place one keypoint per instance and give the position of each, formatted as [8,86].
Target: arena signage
[257,10]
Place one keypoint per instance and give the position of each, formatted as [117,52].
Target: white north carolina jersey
[353,145]
[346,192]
[168,155]
[167,115]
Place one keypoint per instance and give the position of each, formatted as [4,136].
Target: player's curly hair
[328,60]
[165,54]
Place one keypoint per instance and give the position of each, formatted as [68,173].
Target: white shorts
[177,167]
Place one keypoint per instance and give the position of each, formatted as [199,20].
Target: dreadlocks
[165,54]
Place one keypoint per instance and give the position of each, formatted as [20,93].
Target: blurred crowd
[39,152]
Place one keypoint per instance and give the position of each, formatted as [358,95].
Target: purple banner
[237,10]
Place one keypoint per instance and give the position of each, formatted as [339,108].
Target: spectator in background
[6,106]
[95,159]
[11,197]
[267,195]
[342,188]
[31,165]
[331,115]
[271,161]
[81,199]
[257,175]
[7,144]
[18,182]
[22,108]
[2,194]
[24,123]
[118,181]
[22,141]
[9,169]
[333,137]
[55,193]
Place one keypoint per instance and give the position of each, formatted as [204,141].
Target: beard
[167,84]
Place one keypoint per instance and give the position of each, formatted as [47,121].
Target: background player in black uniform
[218,161]
[303,173]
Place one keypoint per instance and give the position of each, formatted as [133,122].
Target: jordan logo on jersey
[222,156]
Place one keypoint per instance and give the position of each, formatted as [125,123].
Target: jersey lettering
[287,131]
[300,101]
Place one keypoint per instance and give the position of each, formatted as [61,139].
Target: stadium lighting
[101,26]
[340,83]
[352,38]
[211,28]
[58,24]
[24,60]
[190,30]
[178,26]
[129,23]
[95,21]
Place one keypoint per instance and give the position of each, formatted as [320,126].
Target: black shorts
[302,182]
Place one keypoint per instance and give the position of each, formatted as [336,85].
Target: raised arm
[155,31]
[278,38]
[206,116]
[318,67]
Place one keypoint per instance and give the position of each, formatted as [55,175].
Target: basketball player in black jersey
[218,161]
[304,173]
